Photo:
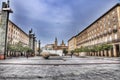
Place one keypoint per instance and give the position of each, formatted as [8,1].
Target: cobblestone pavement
[60,68]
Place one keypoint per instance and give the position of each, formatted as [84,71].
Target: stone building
[72,43]
[55,46]
[10,33]
[105,30]
[16,35]
[49,47]
[59,47]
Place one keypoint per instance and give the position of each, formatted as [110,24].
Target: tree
[65,51]
[72,52]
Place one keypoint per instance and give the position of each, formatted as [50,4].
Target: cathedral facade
[55,46]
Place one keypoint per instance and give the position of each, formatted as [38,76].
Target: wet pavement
[60,68]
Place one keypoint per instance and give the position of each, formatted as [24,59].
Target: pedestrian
[71,53]
[27,56]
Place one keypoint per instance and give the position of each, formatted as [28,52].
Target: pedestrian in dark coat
[71,54]
[27,56]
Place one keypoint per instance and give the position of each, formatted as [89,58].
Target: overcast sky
[57,18]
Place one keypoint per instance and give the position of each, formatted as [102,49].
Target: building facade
[11,34]
[55,46]
[62,46]
[105,30]
[49,47]
[16,35]
[72,44]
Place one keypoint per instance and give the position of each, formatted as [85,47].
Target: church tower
[56,42]
[62,44]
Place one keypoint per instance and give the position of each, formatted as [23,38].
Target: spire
[62,42]
[56,42]
[56,39]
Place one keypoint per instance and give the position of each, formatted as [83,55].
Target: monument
[39,50]
[32,40]
[3,28]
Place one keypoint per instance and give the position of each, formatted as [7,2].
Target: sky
[57,18]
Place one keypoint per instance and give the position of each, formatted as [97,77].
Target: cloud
[57,18]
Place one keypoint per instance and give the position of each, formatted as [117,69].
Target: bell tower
[56,42]
[62,44]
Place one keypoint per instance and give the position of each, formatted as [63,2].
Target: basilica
[55,46]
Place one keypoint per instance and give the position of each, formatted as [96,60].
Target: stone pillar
[99,53]
[110,53]
[114,51]
[3,29]
[36,49]
[39,46]
[34,39]
[95,53]
[31,39]
[119,51]
[105,53]
[92,53]
[88,53]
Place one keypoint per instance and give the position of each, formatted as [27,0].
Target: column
[34,39]
[114,51]
[39,46]
[110,53]
[105,53]
[3,29]
[101,53]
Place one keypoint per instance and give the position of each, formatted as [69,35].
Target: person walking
[71,54]
[27,56]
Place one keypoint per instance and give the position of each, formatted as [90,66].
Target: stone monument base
[1,56]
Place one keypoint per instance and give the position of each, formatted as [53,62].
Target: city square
[60,68]
[59,40]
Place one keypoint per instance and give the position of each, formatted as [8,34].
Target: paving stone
[36,71]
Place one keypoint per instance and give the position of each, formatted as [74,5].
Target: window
[113,12]
[116,36]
